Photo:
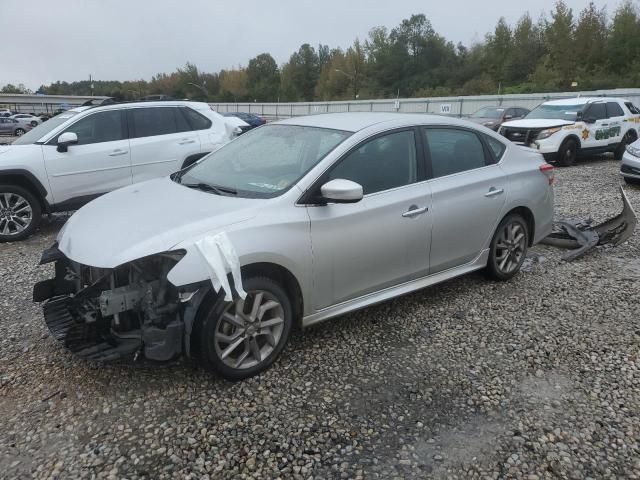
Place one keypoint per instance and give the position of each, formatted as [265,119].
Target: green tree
[559,41]
[263,78]
[624,38]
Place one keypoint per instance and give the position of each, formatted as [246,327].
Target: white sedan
[27,119]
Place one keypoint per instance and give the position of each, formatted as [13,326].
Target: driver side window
[381,164]
[99,127]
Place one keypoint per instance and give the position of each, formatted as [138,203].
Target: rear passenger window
[614,110]
[196,120]
[148,122]
[453,151]
[496,146]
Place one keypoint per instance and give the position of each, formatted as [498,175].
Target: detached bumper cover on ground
[580,236]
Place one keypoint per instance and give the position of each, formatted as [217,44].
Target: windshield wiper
[211,188]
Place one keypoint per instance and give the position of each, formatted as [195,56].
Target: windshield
[489,112]
[264,162]
[41,130]
[556,112]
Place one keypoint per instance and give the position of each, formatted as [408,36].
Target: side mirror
[66,139]
[508,117]
[341,191]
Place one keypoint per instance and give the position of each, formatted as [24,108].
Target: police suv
[563,129]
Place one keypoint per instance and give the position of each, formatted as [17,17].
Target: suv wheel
[568,152]
[242,338]
[20,213]
[628,138]
[19,132]
[631,181]
[508,248]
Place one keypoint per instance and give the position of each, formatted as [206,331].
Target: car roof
[582,100]
[161,103]
[356,121]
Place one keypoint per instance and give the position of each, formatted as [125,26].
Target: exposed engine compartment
[106,314]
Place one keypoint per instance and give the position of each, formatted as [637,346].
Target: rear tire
[20,213]
[568,152]
[240,339]
[19,132]
[628,138]
[508,248]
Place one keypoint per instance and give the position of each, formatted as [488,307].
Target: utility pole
[354,82]
[91,84]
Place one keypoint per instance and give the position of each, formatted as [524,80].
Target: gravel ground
[535,378]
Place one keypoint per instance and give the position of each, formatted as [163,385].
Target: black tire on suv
[20,213]
[568,152]
[628,138]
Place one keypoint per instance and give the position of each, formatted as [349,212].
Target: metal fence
[456,106]
[41,104]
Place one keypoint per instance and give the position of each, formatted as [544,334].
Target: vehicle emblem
[585,134]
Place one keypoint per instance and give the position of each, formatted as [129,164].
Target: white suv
[88,151]
[563,129]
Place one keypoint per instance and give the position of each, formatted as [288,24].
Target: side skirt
[396,291]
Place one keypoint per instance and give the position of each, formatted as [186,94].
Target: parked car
[27,118]
[10,126]
[251,119]
[630,166]
[87,151]
[494,117]
[311,217]
[5,113]
[564,129]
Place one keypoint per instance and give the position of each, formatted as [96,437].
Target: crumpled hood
[537,123]
[147,218]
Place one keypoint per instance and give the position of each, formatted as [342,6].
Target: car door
[596,131]
[468,194]
[382,240]
[616,123]
[6,127]
[161,139]
[97,164]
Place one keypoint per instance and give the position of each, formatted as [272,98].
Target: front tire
[19,132]
[508,248]
[568,152]
[242,338]
[631,181]
[20,213]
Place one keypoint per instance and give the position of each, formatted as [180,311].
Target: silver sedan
[630,165]
[310,217]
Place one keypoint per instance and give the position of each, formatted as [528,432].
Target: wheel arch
[28,181]
[574,137]
[528,216]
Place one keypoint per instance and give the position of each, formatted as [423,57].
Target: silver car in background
[630,165]
[321,215]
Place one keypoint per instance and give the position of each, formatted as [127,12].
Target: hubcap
[249,330]
[19,133]
[510,247]
[15,214]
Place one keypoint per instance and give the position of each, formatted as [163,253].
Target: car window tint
[632,108]
[496,146]
[380,164]
[522,112]
[182,124]
[453,151]
[196,120]
[614,110]
[148,122]
[99,127]
[597,111]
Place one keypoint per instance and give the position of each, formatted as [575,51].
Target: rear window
[196,120]
[496,146]
[632,108]
[149,122]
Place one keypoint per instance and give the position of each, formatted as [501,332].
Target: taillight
[548,171]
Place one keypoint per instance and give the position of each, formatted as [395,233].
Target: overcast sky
[48,40]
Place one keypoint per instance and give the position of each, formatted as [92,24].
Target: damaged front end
[581,236]
[107,314]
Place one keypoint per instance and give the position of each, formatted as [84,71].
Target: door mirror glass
[66,139]
[341,191]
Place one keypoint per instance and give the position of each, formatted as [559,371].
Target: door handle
[186,141]
[117,153]
[494,191]
[414,211]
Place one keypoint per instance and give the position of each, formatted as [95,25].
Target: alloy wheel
[19,132]
[249,330]
[510,247]
[16,214]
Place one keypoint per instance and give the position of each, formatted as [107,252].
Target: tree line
[559,51]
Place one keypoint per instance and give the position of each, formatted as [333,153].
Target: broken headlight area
[107,314]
